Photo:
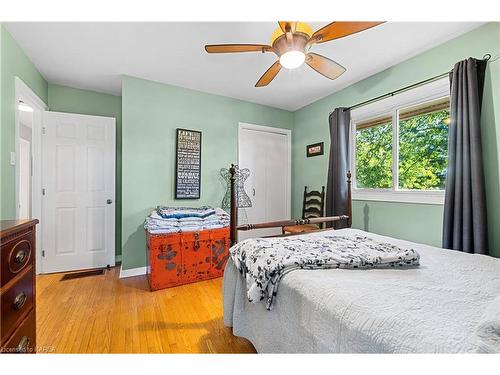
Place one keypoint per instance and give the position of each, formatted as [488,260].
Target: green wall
[419,222]
[14,62]
[152,111]
[151,114]
[66,99]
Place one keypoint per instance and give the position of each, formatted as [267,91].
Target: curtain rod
[406,88]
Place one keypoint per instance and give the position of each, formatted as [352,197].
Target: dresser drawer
[17,301]
[24,338]
[17,254]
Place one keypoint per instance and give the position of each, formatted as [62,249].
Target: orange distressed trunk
[182,258]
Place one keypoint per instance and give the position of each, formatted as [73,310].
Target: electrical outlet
[12,158]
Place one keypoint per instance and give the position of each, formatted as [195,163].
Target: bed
[449,304]
[434,308]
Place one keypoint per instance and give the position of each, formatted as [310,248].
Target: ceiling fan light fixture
[292,59]
[300,27]
[291,42]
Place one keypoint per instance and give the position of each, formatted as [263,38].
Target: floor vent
[77,275]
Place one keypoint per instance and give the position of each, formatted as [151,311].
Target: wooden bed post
[233,214]
[349,200]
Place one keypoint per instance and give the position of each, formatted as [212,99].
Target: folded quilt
[264,261]
[158,222]
[163,230]
[190,219]
[182,212]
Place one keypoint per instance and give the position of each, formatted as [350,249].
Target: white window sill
[422,197]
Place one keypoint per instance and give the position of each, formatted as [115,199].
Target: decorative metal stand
[242,198]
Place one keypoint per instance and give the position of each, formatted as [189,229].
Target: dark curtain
[464,224]
[336,190]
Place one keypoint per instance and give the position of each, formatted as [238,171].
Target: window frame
[391,106]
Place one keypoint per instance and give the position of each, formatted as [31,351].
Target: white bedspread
[435,308]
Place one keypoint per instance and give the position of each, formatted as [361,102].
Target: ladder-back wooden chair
[313,206]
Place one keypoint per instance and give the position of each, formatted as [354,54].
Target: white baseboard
[132,272]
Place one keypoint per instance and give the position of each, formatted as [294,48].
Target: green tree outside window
[423,153]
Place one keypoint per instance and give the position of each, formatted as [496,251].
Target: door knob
[109,201]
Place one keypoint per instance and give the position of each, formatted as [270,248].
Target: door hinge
[43,253]
[43,191]
[43,130]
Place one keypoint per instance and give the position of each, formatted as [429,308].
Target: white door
[24,179]
[78,179]
[266,152]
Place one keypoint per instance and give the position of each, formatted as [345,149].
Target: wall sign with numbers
[188,164]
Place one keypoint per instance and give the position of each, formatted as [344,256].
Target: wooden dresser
[17,280]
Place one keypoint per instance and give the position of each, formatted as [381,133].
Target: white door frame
[27,95]
[25,154]
[288,134]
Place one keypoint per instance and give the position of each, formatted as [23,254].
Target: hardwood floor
[105,314]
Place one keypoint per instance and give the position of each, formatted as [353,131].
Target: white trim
[288,134]
[263,128]
[23,92]
[84,116]
[139,271]
[431,91]
[401,196]
[25,145]
[28,94]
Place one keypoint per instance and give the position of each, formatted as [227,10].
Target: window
[423,145]
[400,146]
[374,153]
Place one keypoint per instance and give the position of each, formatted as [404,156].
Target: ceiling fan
[292,41]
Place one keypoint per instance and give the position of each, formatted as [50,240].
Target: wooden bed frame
[234,227]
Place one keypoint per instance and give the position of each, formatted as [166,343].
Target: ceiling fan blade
[324,65]
[336,30]
[269,75]
[290,26]
[230,48]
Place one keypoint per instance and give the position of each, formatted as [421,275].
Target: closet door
[266,152]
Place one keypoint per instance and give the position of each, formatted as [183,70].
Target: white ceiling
[93,56]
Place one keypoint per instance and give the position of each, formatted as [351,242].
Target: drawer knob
[19,301]
[23,345]
[20,256]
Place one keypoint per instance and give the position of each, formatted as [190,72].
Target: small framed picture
[314,150]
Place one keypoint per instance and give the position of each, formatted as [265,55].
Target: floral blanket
[264,261]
